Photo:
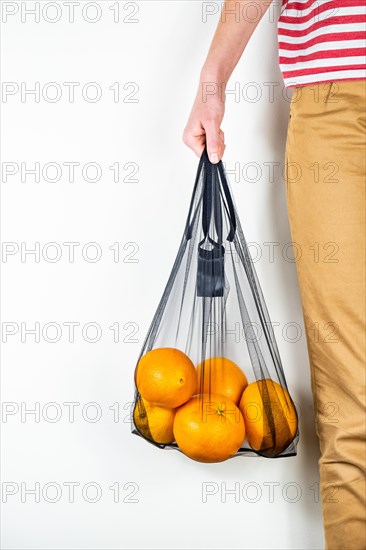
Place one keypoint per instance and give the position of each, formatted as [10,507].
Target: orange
[154,423]
[209,428]
[270,417]
[166,377]
[223,377]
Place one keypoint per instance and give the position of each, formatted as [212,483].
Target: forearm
[237,23]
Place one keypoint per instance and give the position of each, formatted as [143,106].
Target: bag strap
[229,207]
[211,198]
[189,225]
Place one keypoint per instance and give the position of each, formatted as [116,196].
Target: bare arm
[237,23]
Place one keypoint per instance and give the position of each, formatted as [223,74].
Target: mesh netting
[213,307]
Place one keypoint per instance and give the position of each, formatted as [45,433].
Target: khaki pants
[325,193]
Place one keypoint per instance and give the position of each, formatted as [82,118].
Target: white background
[160,48]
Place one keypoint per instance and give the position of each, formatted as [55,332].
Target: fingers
[210,134]
[195,141]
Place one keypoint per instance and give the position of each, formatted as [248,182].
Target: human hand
[203,126]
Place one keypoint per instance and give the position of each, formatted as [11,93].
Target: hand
[203,126]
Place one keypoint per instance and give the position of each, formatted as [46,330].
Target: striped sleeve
[322,40]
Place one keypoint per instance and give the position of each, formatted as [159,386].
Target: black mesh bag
[209,379]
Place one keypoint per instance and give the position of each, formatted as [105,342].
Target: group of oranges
[210,409]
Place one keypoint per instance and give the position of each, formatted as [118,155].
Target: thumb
[215,146]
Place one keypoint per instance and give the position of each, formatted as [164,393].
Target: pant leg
[325,193]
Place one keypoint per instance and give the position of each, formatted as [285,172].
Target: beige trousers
[325,193]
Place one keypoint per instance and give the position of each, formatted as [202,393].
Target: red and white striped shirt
[322,41]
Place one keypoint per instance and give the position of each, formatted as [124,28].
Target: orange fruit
[209,428]
[270,417]
[166,377]
[221,376]
[154,423]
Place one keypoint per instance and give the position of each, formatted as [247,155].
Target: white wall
[161,53]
